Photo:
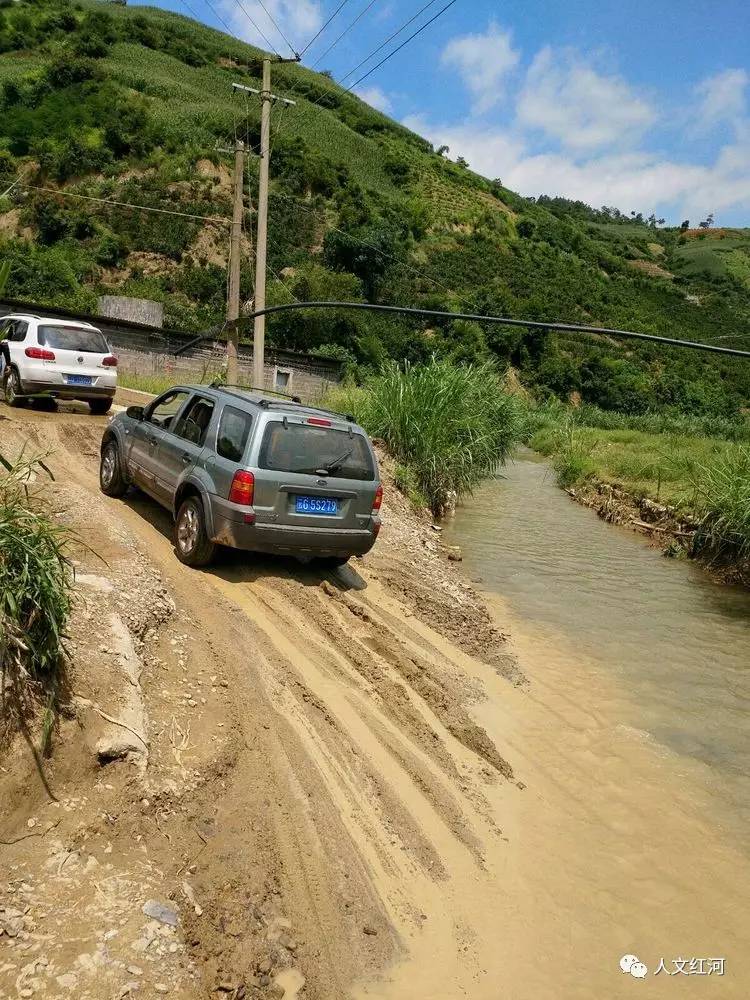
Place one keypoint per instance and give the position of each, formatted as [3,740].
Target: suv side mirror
[135,412]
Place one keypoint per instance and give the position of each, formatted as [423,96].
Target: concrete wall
[147,352]
[143,311]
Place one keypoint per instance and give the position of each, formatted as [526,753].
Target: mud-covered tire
[333,562]
[111,480]
[191,542]
[99,407]
[12,388]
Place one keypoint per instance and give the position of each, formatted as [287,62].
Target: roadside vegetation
[35,598]
[127,103]
[704,478]
[448,426]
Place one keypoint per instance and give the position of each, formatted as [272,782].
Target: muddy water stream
[632,835]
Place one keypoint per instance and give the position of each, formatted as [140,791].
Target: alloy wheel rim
[108,467]
[187,530]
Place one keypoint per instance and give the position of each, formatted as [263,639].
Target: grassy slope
[468,250]
[659,466]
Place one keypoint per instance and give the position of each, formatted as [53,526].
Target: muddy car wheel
[111,479]
[99,407]
[13,389]
[192,544]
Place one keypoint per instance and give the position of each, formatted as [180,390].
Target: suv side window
[234,430]
[18,331]
[193,424]
[164,410]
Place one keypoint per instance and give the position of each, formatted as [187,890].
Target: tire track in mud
[360,786]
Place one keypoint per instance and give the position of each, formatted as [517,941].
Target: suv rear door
[314,472]
[79,351]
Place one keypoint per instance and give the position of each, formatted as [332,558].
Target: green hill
[128,103]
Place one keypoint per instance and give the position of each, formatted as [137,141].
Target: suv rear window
[308,449]
[73,338]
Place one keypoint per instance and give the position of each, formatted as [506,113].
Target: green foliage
[4,275]
[722,496]
[405,479]
[451,425]
[35,576]
[123,101]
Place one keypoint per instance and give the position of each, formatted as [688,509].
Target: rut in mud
[301,779]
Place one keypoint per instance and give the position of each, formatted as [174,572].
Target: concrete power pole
[261,243]
[233,299]
[259,330]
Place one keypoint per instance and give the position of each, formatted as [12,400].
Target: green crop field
[131,102]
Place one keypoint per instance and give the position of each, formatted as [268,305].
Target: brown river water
[632,837]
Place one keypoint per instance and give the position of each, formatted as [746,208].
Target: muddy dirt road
[302,778]
[272,782]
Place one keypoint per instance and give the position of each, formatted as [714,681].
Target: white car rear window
[73,338]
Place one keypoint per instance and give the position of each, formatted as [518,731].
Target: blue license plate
[79,379]
[316,505]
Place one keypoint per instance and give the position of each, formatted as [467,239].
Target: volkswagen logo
[80,360]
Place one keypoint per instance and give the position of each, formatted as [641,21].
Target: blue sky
[643,105]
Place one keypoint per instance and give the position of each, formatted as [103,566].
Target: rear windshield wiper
[336,464]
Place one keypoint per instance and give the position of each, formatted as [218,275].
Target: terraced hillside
[129,104]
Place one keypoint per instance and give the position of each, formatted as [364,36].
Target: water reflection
[676,643]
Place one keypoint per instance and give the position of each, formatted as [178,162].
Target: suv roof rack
[254,388]
[267,403]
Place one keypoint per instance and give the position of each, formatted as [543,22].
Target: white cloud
[637,180]
[721,98]
[375,97]
[484,61]
[583,109]
[298,19]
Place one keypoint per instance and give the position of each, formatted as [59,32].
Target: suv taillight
[110,361]
[39,354]
[377,503]
[243,488]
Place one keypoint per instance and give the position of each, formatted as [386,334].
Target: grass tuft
[450,425]
[722,497]
[35,596]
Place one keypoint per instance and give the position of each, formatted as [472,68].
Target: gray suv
[242,468]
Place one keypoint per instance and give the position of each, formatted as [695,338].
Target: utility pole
[233,300]
[261,242]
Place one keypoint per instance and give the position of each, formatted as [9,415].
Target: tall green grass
[450,425]
[553,413]
[722,497]
[35,596]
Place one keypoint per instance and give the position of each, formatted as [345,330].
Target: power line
[346,31]
[241,7]
[501,321]
[127,204]
[402,45]
[389,39]
[369,246]
[320,31]
[271,18]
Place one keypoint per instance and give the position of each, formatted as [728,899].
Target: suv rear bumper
[292,539]
[32,388]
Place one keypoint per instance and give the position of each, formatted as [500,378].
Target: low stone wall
[145,351]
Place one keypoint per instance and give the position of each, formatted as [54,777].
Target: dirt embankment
[674,531]
[267,781]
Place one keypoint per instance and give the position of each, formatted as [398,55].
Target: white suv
[61,359]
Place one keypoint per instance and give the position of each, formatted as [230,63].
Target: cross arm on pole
[274,97]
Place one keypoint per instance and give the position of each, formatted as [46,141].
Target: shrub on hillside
[450,425]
